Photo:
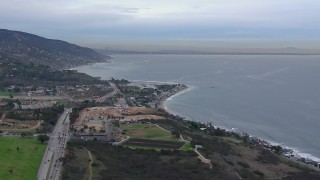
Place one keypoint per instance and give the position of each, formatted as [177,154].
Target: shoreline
[183,89]
[288,152]
[294,155]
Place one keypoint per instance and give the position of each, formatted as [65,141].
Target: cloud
[205,20]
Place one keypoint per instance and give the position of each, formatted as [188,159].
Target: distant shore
[183,88]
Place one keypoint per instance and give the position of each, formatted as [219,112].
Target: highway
[111,94]
[50,167]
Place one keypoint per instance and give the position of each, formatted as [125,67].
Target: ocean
[273,97]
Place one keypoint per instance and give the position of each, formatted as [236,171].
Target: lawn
[63,101]
[147,131]
[6,93]
[22,163]
[232,139]
[186,147]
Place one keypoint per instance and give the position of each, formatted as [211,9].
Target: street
[50,167]
[111,94]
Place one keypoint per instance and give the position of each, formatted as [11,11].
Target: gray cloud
[253,22]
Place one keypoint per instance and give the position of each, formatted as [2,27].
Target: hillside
[26,48]
[13,72]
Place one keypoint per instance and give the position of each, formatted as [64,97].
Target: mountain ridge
[29,48]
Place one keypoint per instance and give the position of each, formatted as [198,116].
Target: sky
[169,24]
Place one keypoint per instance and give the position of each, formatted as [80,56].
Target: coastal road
[34,97]
[111,94]
[51,165]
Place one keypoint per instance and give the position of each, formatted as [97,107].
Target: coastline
[290,153]
[161,104]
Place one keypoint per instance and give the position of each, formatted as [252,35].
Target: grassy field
[186,147]
[232,139]
[147,131]
[63,101]
[5,93]
[23,163]
[153,144]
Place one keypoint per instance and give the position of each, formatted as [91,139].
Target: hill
[29,48]
[13,72]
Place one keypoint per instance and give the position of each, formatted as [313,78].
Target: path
[162,128]
[122,141]
[201,157]
[90,162]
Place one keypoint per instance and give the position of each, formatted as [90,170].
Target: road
[109,130]
[50,167]
[111,94]
[33,97]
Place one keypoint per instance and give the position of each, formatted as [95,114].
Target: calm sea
[276,98]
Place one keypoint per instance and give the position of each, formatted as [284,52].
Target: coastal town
[109,115]
[58,123]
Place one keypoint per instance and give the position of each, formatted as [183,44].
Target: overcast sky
[165,24]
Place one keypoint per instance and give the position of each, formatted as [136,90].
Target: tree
[43,138]
[11,96]
[176,133]
[23,134]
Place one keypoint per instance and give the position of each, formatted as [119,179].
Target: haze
[179,24]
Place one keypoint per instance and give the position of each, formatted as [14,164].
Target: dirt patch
[115,113]
[144,117]
[139,110]
[11,124]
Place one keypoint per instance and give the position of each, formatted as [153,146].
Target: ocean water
[276,98]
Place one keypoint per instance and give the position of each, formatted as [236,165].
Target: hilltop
[29,48]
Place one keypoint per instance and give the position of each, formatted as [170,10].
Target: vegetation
[7,93]
[20,157]
[186,147]
[63,102]
[76,163]
[25,47]
[43,138]
[233,154]
[126,163]
[76,110]
[147,131]
[157,144]
[22,74]
[49,116]
[119,81]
